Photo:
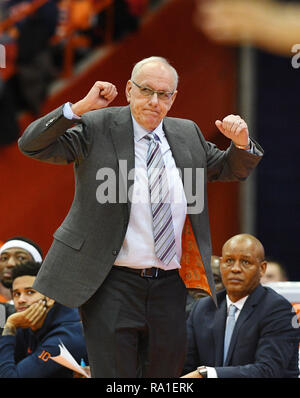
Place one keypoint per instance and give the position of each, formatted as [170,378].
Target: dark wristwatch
[202,370]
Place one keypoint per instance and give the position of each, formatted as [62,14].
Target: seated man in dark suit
[259,338]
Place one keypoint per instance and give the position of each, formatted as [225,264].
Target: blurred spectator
[29,67]
[275,272]
[272,28]
[14,251]
[34,61]
[195,294]
[215,265]
[38,63]
[127,15]
[266,24]
[33,333]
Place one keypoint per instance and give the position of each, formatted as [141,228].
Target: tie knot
[152,137]
[232,310]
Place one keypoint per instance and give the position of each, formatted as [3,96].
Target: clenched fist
[99,96]
[234,128]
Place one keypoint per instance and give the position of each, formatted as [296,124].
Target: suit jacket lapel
[247,310]
[219,330]
[123,139]
[180,151]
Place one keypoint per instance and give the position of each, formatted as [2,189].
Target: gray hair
[162,60]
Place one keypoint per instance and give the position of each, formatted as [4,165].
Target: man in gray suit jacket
[103,257]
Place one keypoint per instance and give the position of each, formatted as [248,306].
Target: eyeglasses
[148,92]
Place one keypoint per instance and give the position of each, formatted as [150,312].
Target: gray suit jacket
[85,246]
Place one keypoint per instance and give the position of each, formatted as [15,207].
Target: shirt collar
[140,132]
[239,304]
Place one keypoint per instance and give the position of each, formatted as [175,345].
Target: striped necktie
[229,329]
[163,230]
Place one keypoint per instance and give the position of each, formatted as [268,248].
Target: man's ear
[127,90]
[263,267]
[174,97]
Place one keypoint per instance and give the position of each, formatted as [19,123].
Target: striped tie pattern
[163,230]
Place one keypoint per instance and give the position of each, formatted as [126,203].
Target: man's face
[8,260]
[148,111]
[241,267]
[23,294]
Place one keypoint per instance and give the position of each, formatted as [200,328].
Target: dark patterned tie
[163,230]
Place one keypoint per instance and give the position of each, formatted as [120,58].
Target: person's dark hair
[30,268]
[27,240]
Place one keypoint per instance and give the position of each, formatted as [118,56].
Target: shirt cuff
[68,113]
[211,373]
[251,149]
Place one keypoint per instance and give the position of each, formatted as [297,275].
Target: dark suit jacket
[85,246]
[264,342]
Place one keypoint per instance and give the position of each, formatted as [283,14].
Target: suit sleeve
[53,139]
[16,362]
[37,365]
[231,165]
